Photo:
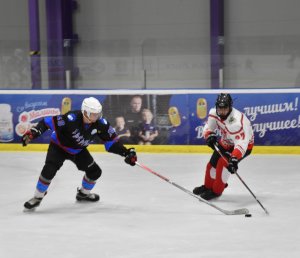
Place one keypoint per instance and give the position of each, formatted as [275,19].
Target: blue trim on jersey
[103,121]
[41,187]
[108,144]
[49,122]
[69,150]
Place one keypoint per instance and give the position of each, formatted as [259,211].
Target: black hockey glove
[130,157]
[30,135]
[211,140]
[232,165]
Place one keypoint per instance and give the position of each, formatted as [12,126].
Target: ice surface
[140,215]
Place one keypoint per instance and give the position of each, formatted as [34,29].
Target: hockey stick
[220,153]
[227,212]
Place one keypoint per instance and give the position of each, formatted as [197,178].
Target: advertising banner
[156,117]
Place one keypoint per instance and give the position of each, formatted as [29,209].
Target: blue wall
[274,114]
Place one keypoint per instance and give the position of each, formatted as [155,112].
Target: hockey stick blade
[226,212]
[241,211]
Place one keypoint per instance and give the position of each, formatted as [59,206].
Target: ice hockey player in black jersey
[71,134]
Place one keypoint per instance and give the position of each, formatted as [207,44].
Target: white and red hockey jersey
[236,131]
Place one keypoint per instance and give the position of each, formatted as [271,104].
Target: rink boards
[179,115]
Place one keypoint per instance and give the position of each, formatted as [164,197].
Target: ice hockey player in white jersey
[232,132]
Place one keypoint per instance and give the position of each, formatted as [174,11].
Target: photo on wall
[139,119]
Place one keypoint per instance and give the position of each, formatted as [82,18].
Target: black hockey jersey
[72,134]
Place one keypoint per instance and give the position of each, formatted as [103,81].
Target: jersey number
[240,136]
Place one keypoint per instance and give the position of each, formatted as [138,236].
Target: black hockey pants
[83,160]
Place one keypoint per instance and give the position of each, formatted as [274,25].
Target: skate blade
[26,210]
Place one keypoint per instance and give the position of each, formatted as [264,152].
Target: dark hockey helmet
[224,100]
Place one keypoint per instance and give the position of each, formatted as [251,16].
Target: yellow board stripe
[159,148]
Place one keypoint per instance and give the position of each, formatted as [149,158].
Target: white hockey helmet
[91,106]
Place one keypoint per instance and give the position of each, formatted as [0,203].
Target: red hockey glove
[30,135]
[131,157]
[232,165]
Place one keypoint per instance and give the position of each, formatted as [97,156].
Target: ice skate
[33,202]
[200,190]
[209,195]
[91,197]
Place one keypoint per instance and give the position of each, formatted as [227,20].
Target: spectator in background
[121,130]
[147,131]
[133,117]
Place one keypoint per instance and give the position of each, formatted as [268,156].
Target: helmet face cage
[224,101]
[91,115]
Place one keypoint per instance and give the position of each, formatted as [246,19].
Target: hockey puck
[248,215]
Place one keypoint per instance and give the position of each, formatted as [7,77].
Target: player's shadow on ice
[84,208]
[241,199]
